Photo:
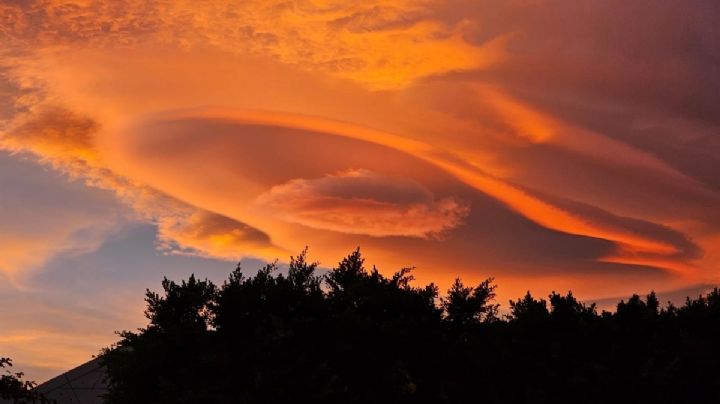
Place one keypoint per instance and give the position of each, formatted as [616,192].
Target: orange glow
[548,147]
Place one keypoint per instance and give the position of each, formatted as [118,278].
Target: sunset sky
[550,144]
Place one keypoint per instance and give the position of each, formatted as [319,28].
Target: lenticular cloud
[364,202]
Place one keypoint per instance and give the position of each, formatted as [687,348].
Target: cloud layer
[573,143]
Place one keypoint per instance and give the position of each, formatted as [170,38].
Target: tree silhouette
[467,305]
[529,310]
[16,390]
[353,335]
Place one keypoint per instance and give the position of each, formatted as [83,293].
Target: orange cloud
[209,234]
[427,92]
[228,124]
[58,136]
[383,45]
[363,202]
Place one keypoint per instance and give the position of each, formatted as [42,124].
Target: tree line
[353,335]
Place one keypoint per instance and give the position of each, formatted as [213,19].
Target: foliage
[354,335]
[16,390]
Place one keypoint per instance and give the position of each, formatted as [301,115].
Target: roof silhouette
[81,385]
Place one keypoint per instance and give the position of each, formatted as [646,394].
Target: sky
[553,145]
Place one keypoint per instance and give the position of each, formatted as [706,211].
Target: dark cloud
[643,73]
